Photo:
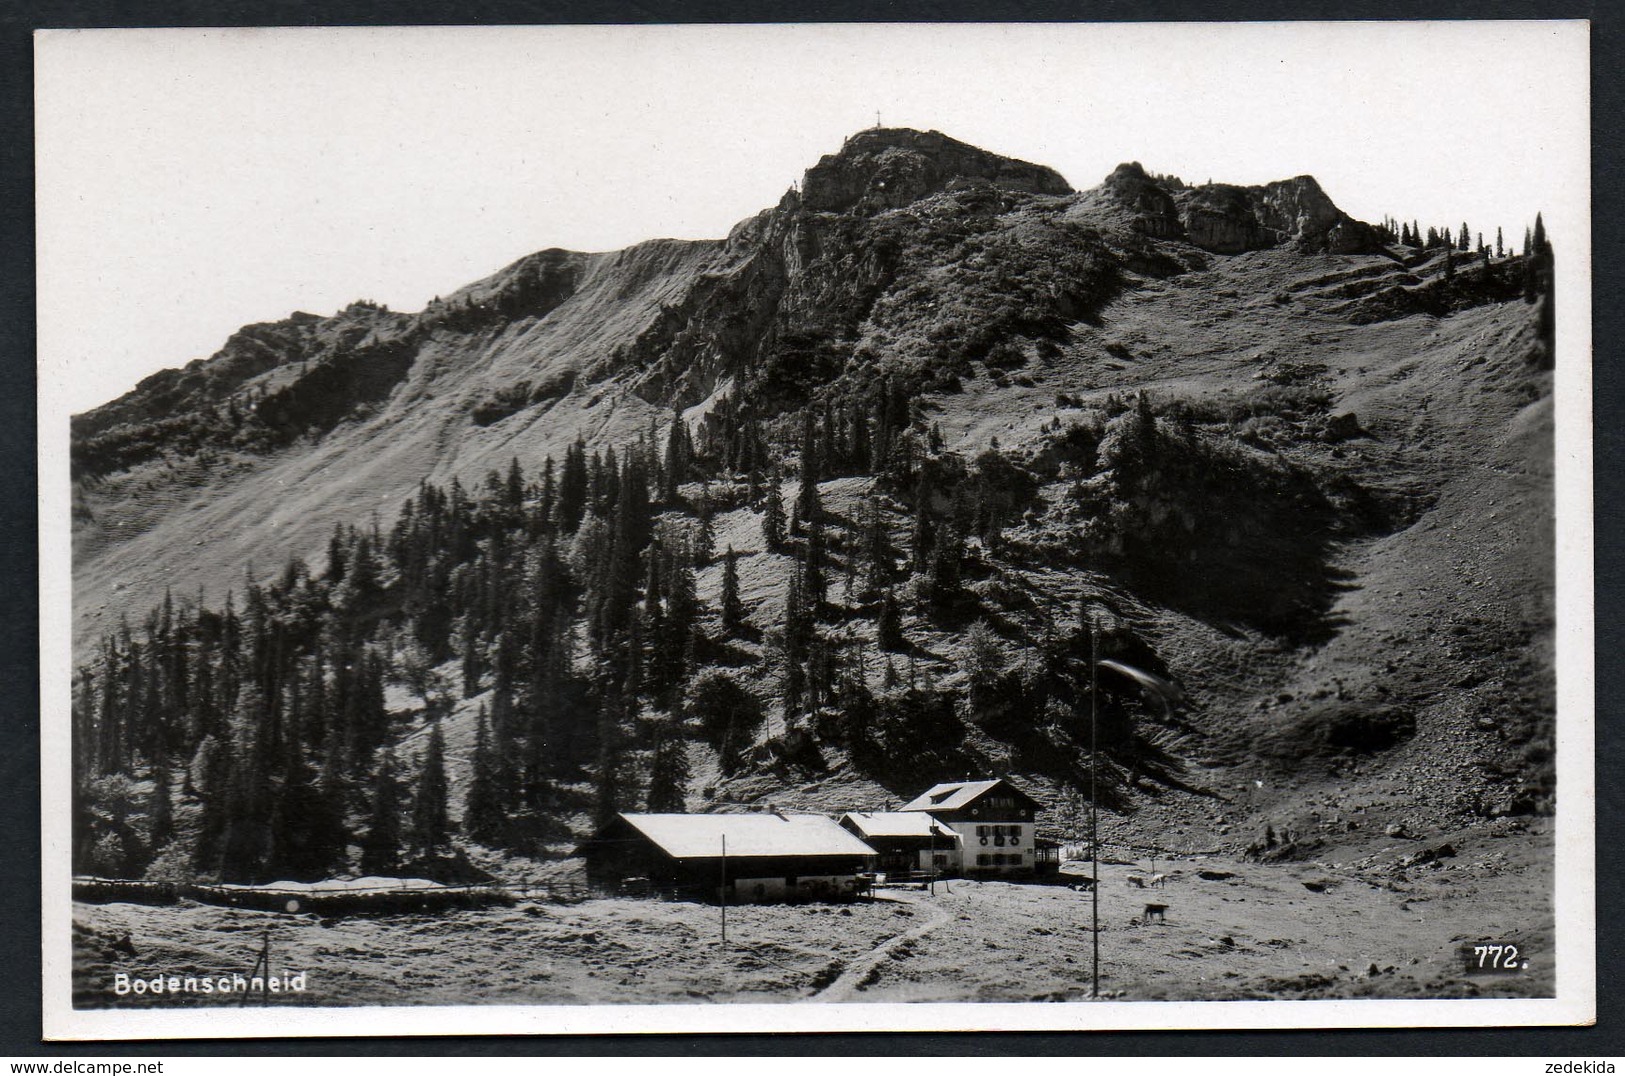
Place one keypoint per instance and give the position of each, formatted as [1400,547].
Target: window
[981,831]
[1015,833]
[983,859]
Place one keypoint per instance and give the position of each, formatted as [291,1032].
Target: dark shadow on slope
[1276,582]
[1220,531]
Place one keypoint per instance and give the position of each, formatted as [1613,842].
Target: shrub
[728,715]
[1339,728]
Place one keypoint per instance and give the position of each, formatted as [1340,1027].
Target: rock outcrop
[886,168]
[1228,219]
[297,341]
[1151,206]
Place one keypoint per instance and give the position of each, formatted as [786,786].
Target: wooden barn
[994,822]
[740,858]
[906,842]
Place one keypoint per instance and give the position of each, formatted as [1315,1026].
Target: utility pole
[262,968]
[1094,803]
[723,892]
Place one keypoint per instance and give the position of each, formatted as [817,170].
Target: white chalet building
[993,821]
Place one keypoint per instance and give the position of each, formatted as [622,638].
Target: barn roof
[699,836]
[952,795]
[899,824]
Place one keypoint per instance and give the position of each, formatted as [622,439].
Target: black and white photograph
[815,527]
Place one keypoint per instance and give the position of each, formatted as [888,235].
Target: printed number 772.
[1496,956]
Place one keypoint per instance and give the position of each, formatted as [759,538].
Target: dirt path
[859,970]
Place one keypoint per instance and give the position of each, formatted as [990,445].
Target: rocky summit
[888,169]
[831,508]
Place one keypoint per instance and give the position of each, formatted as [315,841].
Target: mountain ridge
[853,178]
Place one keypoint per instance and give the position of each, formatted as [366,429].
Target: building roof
[899,824]
[952,795]
[699,836]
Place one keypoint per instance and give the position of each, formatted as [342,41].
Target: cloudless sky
[192,181]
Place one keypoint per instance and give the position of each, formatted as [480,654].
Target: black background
[19,635]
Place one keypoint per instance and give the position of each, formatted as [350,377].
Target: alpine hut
[739,858]
[993,820]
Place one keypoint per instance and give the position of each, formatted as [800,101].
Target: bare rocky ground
[1382,918]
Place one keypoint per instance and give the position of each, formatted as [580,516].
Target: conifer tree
[610,780]
[513,488]
[858,450]
[473,657]
[796,639]
[160,811]
[820,674]
[381,844]
[889,625]
[753,483]
[807,505]
[924,531]
[1499,248]
[210,778]
[431,824]
[773,524]
[874,548]
[336,551]
[942,579]
[813,583]
[613,594]
[250,790]
[1537,269]
[571,503]
[679,454]
[668,771]
[682,615]
[731,608]
[306,835]
[705,533]
[484,810]
[542,515]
